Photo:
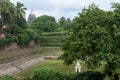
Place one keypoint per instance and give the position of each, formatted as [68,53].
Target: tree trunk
[116,77]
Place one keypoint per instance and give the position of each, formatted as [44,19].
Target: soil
[14,67]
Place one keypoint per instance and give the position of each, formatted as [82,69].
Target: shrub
[23,39]
[6,77]
[48,74]
[89,75]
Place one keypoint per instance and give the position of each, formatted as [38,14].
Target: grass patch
[37,52]
[53,64]
[2,57]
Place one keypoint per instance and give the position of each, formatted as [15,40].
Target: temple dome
[31,17]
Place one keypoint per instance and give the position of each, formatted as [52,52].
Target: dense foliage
[48,74]
[89,75]
[96,39]
[65,23]
[16,30]
[13,24]
[49,31]
[6,77]
[45,23]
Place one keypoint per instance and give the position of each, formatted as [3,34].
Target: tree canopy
[45,23]
[65,23]
[95,39]
[13,24]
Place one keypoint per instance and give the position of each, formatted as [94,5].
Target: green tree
[65,23]
[13,17]
[45,23]
[20,10]
[19,15]
[62,21]
[68,24]
[95,40]
[6,11]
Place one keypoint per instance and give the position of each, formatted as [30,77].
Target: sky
[59,8]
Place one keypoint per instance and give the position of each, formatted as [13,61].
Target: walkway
[15,67]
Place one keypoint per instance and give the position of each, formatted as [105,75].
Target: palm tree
[20,10]
[6,11]
[19,15]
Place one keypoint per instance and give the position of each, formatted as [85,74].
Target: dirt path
[15,67]
[19,60]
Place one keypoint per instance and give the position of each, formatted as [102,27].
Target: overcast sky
[59,8]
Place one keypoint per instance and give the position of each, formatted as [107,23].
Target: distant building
[31,17]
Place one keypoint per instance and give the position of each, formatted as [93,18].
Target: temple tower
[31,17]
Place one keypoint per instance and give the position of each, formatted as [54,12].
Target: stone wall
[31,43]
[16,46]
[12,46]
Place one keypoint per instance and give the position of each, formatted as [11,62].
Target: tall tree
[62,21]
[45,23]
[18,22]
[68,24]
[20,10]
[95,40]
[6,10]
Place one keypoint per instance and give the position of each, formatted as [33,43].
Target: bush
[7,41]
[48,74]
[23,39]
[6,77]
[89,75]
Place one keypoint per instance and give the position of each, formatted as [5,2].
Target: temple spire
[31,17]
